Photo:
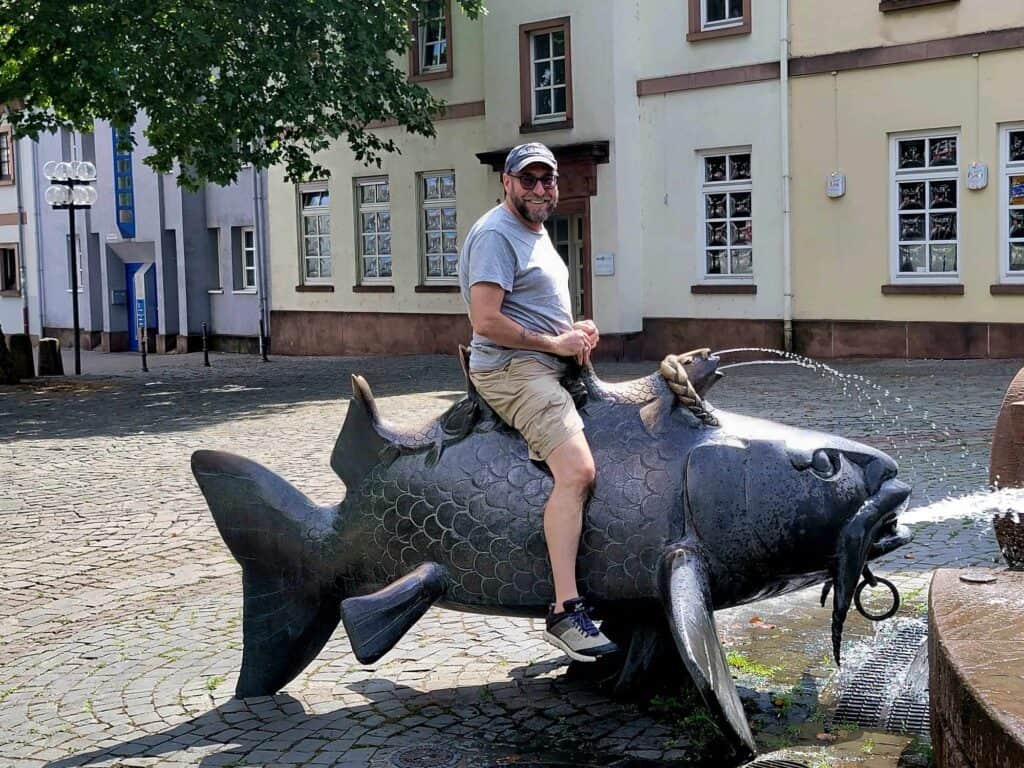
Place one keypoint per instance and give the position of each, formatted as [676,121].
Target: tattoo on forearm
[528,336]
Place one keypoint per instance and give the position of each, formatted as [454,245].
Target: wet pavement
[120,610]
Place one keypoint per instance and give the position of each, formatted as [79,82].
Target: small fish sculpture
[694,509]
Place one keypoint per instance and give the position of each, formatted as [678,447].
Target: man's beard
[537,217]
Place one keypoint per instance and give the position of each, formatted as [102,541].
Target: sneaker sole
[574,655]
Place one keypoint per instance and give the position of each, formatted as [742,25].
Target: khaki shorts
[527,395]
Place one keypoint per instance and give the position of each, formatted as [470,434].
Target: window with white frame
[10,281]
[432,37]
[926,200]
[549,85]
[727,214]
[716,14]
[373,219]
[438,227]
[1012,209]
[6,157]
[248,264]
[315,215]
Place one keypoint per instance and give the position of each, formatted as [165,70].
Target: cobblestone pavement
[120,607]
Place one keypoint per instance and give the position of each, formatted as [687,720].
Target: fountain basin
[976,680]
[1006,465]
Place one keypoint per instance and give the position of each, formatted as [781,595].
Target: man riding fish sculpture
[694,509]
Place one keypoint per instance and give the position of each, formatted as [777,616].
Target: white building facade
[153,259]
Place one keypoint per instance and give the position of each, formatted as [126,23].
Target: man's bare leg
[569,627]
[572,466]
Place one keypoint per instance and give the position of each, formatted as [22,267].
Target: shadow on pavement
[189,398]
[467,720]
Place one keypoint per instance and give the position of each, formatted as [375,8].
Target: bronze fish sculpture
[694,509]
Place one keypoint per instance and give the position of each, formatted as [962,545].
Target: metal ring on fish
[880,616]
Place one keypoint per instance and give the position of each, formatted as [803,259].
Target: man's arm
[485,300]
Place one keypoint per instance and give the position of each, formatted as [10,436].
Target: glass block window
[432,37]
[373,223]
[249,258]
[926,178]
[124,183]
[315,226]
[727,215]
[721,13]
[549,84]
[6,157]
[438,227]
[1012,190]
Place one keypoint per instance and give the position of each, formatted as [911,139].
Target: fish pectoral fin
[687,600]
[376,622]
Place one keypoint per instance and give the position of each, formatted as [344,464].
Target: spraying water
[981,506]
[905,431]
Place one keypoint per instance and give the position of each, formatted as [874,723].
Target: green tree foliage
[223,82]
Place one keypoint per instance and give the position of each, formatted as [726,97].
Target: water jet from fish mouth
[979,507]
[891,416]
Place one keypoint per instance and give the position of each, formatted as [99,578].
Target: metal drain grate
[425,756]
[776,764]
[890,689]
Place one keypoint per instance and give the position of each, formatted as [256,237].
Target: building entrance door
[129,280]
[566,232]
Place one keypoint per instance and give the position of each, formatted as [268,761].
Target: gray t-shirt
[501,249]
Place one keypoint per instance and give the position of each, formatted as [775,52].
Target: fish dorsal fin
[686,595]
[362,392]
[359,444]
[464,360]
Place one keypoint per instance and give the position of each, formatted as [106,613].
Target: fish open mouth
[873,531]
[896,537]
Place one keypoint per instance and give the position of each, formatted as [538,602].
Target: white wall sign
[836,184]
[977,176]
[604,263]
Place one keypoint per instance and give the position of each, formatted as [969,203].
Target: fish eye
[825,464]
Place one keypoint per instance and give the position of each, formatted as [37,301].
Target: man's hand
[574,343]
[590,329]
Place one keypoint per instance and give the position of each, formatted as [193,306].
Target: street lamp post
[71,190]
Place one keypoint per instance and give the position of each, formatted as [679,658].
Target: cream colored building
[913,103]
[677,124]
[649,108]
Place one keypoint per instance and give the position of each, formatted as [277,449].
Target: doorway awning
[577,165]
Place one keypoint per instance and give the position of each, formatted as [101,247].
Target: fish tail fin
[375,622]
[359,444]
[290,603]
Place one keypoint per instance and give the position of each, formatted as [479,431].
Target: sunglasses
[529,181]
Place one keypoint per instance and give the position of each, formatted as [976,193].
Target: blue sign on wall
[124,184]
[140,313]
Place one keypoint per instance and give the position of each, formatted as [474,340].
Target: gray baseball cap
[525,154]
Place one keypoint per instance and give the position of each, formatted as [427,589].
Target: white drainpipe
[787,253]
[260,235]
[37,189]
[22,270]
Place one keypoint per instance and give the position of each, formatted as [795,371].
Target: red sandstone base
[976,659]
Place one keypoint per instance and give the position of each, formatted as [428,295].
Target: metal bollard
[144,345]
[206,351]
